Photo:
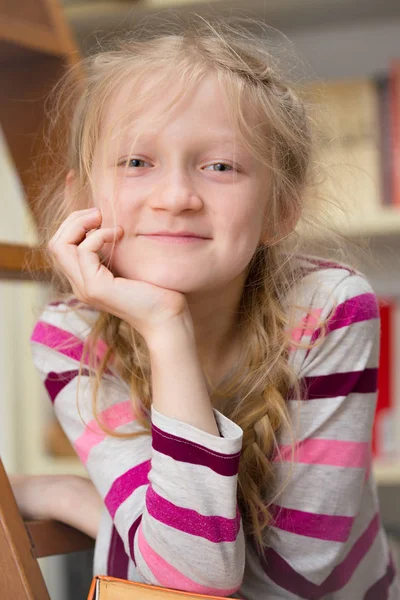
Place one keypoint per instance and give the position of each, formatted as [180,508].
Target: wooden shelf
[385,222]
[16,36]
[14,258]
[387,472]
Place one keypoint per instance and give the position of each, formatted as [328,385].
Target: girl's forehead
[149,100]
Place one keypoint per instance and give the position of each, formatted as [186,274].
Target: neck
[215,321]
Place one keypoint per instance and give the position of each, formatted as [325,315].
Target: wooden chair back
[22,542]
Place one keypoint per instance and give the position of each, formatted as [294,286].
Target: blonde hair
[255,396]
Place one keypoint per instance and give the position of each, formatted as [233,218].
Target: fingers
[68,233]
[88,257]
[75,249]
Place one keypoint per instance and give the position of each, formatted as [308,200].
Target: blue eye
[221,165]
[127,162]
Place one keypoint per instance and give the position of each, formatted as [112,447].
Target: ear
[70,181]
[285,228]
[72,200]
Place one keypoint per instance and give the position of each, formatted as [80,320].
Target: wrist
[177,332]
[79,504]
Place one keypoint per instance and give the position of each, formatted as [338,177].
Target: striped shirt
[170,513]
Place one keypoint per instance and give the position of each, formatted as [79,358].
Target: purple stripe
[186,451]
[325,264]
[354,310]
[131,537]
[125,485]
[55,382]
[118,560]
[335,528]
[380,589]
[212,528]
[339,384]
[286,577]
[73,302]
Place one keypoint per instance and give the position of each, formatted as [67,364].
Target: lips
[177,234]
[175,239]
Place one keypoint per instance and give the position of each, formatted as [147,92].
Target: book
[104,587]
[384,433]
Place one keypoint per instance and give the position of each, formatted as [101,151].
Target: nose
[176,193]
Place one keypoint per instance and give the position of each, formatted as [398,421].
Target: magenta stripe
[354,310]
[212,528]
[63,342]
[55,382]
[131,537]
[335,528]
[339,384]
[380,589]
[285,576]
[118,560]
[186,451]
[125,485]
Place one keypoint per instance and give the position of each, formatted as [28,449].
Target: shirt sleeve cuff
[229,442]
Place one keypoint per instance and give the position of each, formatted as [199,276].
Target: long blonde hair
[255,396]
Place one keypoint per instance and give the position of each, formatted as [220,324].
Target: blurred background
[349,59]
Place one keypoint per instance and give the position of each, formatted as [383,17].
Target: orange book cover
[104,587]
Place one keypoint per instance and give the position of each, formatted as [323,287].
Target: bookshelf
[387,472]
[86,15]
[36,45]
[42,37]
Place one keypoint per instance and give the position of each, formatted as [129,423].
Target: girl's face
[189,174]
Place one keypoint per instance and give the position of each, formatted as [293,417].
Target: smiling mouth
[175,239]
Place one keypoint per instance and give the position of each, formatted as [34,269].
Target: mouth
[174,239]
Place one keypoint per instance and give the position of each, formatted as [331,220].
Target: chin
[182,283]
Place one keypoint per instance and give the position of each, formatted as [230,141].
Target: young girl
[218,384]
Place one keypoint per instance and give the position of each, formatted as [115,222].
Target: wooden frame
[36,45]
[23,542]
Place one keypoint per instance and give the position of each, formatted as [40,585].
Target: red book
[384,435]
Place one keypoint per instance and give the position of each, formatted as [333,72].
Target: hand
[145,306]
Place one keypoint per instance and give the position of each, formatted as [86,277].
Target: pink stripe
[56,338]
[213,528]
[168,576]
[307,325]
[113,417]
[334,528]
[336,453]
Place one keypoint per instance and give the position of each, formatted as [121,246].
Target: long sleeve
[326,522]
[171,495]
